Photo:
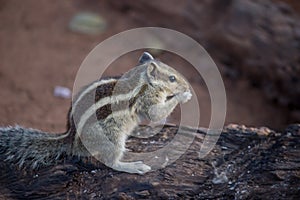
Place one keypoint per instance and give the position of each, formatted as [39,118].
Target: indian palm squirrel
[151,91]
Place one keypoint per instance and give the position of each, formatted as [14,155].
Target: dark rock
[246,163]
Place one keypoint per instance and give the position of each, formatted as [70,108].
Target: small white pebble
[243,191]
[62,92]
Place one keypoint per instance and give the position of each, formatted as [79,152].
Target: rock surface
[246,163]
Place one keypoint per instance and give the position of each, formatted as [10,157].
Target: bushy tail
[32,148]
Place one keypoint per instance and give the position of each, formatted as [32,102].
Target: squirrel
[150,91]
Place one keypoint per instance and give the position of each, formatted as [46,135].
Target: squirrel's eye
[172,78]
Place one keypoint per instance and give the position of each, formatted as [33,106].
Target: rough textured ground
[246,163]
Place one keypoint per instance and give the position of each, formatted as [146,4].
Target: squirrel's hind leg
[137,167]
[109,149]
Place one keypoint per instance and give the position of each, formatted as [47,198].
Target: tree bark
[246,163]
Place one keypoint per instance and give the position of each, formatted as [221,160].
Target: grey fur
[31,148]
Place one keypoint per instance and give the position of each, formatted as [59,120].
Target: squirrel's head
[163,76]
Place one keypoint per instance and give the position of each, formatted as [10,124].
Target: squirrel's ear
[152,70]
[145,57]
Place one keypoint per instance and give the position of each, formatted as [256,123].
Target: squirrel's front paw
[184,97]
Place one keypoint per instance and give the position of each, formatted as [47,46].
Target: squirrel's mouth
[170,97]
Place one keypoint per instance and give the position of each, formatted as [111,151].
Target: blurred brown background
[254,43]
